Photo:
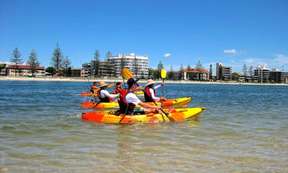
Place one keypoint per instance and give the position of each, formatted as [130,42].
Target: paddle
[163,76]
[126,74]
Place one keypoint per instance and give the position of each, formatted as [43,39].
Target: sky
[176,32]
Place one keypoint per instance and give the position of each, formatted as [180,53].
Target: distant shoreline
[69,79]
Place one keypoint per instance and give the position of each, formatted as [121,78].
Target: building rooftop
[193,70]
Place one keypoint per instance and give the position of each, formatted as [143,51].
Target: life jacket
[105,99]
[147,94]
[93,89]
[117,90]
[125,107]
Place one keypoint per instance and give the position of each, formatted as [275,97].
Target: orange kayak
[177,115]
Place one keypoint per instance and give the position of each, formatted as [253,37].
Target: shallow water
[244,129]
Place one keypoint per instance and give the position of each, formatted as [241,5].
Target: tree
[210,72]
[57,59]
[235,76]
[108,54]
[189,67]
[2,66]
[244,70]
[159,68]
[199,65]
[250,71]
[16,59]
[150,73]
[33,62]
[181,71]
[96,63]
[51,70]
[171,73]
[66,64]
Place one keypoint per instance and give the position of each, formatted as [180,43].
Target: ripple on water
[244,129]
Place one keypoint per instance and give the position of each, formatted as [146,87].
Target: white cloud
[230,52]
[167,55]
[281,59]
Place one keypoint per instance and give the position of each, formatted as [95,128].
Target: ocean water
[244,129]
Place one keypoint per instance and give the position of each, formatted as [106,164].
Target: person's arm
[148,106]
[156,99]
[136,101]
[158,86]
[107,94]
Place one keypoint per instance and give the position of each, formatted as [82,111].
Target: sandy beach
[69,79]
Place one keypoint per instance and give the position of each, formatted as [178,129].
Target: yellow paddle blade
[163,73]
[126,73]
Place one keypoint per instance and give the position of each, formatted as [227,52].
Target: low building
[284,77]
[86,70]
[23,70]
[275,76]
[75,72]
[196,74]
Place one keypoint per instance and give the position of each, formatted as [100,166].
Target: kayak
[177,115]
[89,94]
[110,105]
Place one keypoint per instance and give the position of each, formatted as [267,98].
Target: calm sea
[244,129]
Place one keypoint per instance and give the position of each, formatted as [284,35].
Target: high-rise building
[222,72]
[262,73]
[210,72]
[106,69]
[137,64]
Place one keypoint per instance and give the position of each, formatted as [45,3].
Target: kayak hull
[111,105]
[177,115]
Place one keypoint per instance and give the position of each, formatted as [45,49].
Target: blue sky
[232,32]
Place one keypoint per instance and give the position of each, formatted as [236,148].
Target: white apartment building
[137,64]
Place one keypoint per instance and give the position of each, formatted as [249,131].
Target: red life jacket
[147,94]
[125,108]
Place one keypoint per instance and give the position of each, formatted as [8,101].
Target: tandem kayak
[89,94]
[177,115]
[110,105]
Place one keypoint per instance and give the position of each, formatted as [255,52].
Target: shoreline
[69,79]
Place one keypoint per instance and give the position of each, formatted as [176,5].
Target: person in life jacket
[118,88]
[129,100]
[94,88]
[150,92]
[104,95]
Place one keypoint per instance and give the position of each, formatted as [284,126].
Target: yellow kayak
[110,105]
[177,115]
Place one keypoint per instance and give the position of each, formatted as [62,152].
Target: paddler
[118,88]
[94,88]
[104,95]
[129,101]
[150,92]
